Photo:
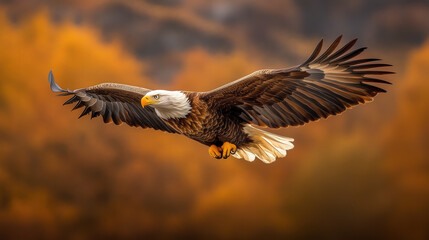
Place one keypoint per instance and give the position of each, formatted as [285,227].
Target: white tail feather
[265,146]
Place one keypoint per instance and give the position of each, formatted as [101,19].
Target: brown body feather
[210,125]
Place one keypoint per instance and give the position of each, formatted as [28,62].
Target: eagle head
[168,104]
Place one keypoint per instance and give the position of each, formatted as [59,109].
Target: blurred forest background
[361,175]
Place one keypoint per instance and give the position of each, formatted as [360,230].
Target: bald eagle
[225,118]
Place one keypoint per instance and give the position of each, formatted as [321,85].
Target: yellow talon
[215,151]
[227,148]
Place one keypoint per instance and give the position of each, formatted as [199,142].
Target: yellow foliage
[204,72]
[408,152]
[83,179]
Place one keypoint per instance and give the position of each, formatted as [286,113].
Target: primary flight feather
[225,118]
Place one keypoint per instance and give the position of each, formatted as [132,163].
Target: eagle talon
[227,149]
[215,152]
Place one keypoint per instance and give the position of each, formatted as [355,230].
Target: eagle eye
[156,97]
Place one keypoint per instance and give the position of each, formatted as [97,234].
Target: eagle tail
[265,145]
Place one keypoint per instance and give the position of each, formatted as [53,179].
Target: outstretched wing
[115,103]
[321,86]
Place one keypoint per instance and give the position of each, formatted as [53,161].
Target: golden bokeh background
[361,175]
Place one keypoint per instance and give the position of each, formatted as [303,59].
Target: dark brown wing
[115,102]
[317,88]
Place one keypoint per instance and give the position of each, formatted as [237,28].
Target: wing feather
[322,86]
[341,51]
[329,50]
[315,53]
[116,103]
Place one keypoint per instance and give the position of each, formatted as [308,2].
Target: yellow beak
[146,100]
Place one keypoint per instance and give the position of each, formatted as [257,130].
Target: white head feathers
[171,104]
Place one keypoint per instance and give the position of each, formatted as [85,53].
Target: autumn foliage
[362,174]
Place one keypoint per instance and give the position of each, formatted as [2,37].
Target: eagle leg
[227,149]
[215,151]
